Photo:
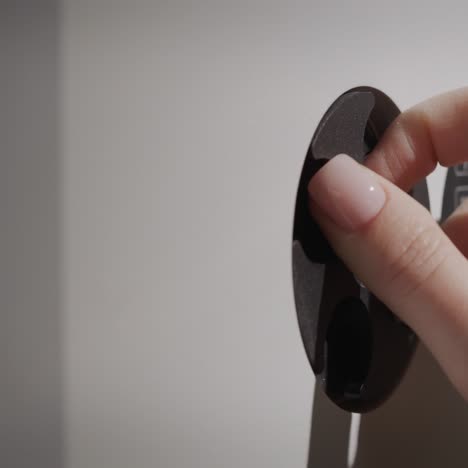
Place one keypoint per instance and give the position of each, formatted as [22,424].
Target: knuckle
[418,257]
[418,140]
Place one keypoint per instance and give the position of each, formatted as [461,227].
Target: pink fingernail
[347,192]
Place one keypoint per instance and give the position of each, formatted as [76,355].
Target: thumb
[399,252]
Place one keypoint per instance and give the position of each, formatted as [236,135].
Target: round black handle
[357,348]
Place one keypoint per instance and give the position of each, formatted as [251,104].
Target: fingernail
[347,192]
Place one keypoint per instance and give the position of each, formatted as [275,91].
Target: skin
[418,268]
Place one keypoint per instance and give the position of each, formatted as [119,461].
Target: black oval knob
[357,348]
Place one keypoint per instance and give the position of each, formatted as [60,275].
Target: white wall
[186,124]
[185,129]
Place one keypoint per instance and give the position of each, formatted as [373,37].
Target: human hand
[391,242]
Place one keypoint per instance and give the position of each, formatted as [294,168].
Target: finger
[456,228]
[435,131]
[396,248]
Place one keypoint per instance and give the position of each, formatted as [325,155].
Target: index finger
[430,133]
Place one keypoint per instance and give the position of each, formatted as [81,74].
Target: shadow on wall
[424,424]
[329,433]
[31,396]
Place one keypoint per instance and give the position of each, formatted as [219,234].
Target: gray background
[152,155]
[31,361]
